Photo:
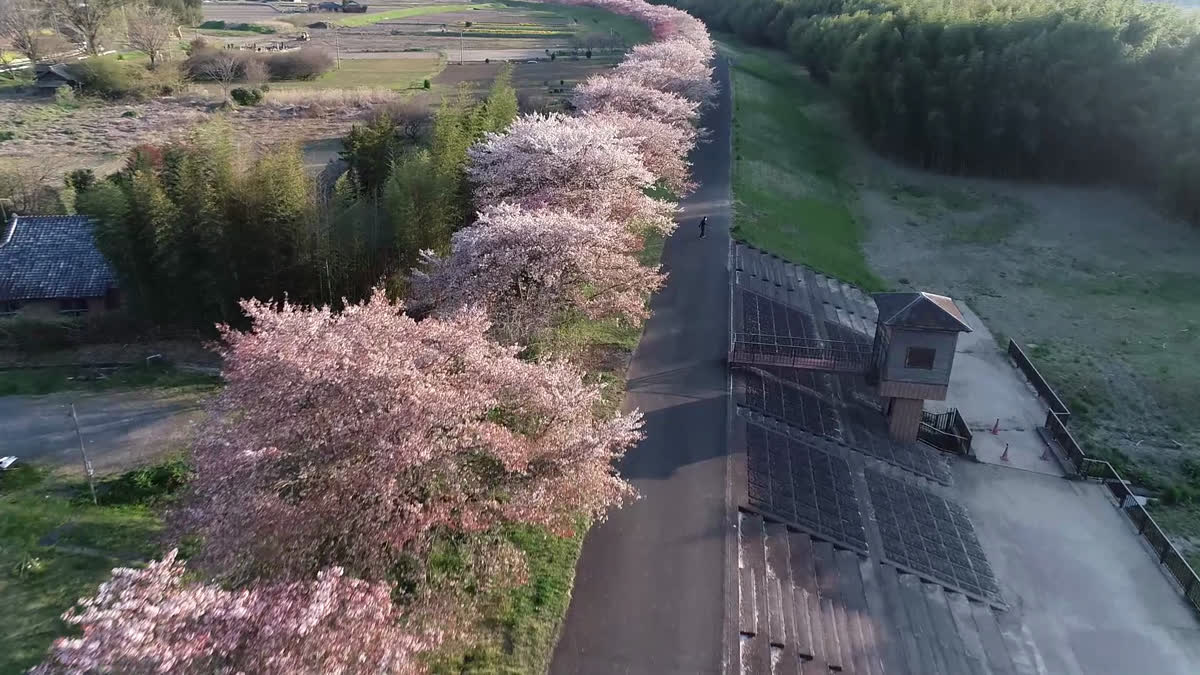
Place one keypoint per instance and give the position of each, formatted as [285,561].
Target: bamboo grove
[1096,91]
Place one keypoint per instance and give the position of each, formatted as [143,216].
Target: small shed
[50,77]
[915,341]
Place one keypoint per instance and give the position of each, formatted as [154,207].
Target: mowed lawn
[791,196]
[394,73]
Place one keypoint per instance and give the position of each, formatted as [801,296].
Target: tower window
[920,358]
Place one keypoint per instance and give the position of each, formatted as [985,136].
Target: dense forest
[1071,90]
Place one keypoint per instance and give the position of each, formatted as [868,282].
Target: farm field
[1097,284]
[380,62]
[390,73]
[431,26]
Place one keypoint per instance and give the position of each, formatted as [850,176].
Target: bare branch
[83,19]
[223,69]
[148,29]
[21,22]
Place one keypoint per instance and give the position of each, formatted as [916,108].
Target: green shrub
[7,135]
[147,485]
[35,334]
[64,97]
[244,96]
[426,84]
[249,27]
[115,80]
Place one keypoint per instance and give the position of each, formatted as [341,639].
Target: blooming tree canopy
[662,147]
[152,621]
[674,66]
[584,166]
[527,266]
[665,22]
[619,94]
[349,438]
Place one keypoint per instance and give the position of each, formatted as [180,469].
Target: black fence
[796,352]
[1043,387]
[1087,467]
[1164,550]
[946,431]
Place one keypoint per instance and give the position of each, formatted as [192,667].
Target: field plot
[406,72]
[479,31]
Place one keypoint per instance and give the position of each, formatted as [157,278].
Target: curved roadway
[650,586]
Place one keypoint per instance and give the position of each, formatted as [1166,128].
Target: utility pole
[337,48]
[87,465]
[460,46]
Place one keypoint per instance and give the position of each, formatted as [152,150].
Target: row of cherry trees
[348,447]
[565,201]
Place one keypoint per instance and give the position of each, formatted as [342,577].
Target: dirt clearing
[1102,288]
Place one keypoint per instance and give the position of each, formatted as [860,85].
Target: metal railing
[1043,387]
[1168,556]
[795,352]
[1087,467]
[946,431]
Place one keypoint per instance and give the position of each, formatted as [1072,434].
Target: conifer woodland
[353,486]
[1065,90]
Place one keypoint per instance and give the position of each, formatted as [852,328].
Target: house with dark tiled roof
[50,266]
[50,77]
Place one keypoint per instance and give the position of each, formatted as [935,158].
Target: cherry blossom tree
[662,147]
[611,93]
[664,22]
[673,66]
[354,438]
[680,56]
[526,267]
[579,165]
[153,621]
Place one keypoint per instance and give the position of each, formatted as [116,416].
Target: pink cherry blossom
[350,438]
[663,148]
[583,166]
[621,94]
[526,267]
[673,66]
[153,621]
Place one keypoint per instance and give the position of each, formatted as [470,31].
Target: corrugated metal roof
[48,257]
[927,311]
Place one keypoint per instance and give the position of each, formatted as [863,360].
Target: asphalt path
[120,429]
[650,586]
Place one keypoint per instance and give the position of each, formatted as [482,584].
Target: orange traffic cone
[1004,457]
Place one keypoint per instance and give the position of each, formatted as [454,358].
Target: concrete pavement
[649,589]
[120,429]
[1075,570]
[985,387]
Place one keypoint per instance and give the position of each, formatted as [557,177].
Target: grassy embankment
[789,185]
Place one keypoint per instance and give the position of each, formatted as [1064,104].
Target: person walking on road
[703,224]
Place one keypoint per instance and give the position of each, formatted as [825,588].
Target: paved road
[120,429]
[649,589]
